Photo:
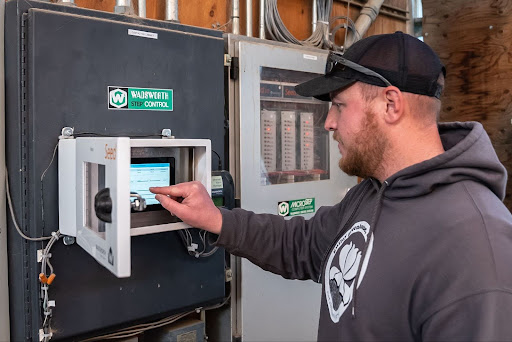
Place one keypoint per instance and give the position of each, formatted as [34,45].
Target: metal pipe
[4,283]
[262,19]
[248,29]
[125,3]
[366,17]
[171,10]
[67,2]
[123,7]
[315,14]
[142,8]
[235,16]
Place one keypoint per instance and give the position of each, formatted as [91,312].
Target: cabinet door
[103,201]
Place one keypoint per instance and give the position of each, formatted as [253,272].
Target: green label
[140,98]
[296,207]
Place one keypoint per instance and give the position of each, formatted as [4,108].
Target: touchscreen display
[143,176]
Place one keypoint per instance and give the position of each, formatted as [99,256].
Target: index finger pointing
[178,190]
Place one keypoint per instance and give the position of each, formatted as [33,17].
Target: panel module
[109,172]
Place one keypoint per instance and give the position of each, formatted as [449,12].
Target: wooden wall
[474,41]
[296,14]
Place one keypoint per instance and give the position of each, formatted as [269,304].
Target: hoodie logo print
[340,276]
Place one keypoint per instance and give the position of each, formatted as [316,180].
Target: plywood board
[474,41]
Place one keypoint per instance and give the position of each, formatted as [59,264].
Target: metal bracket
[227,60]
[229,275]
[167,133]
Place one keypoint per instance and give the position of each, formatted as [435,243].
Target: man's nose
[330,120]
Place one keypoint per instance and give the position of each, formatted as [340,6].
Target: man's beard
[365,156]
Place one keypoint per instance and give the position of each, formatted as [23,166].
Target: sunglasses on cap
[334,59]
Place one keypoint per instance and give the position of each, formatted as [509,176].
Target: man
[420,250]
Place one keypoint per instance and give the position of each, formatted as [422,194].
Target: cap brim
[321,87]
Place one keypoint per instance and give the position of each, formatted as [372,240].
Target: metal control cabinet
[283,162]
[60,62]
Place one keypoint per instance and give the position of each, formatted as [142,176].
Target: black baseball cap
[402,60]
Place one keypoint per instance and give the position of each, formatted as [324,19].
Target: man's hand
[192,204]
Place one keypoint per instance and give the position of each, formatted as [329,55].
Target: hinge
[234,69]
[24,212]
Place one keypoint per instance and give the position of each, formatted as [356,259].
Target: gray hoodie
[430,249]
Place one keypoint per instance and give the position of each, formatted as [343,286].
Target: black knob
[103,205]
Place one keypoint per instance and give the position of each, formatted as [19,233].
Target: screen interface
[143,176]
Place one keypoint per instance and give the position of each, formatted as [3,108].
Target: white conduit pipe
[171,10]
[123,3]
[142,8]
[262,19]
[315,15]
[366,18]
[248,29]
[235,16]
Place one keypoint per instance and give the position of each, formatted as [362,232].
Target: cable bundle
[278,31]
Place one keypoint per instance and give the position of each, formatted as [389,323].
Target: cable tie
[56,235]
[47,313]
[192,247]
[323,22]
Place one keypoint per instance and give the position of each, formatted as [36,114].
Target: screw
[68,240]
[67,131]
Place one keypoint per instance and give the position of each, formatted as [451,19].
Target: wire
[42,185]
[132,331]
[46,281]
[192,248]
[219,167]
[220,27]
[278,31]
[137,329]
[13,216]
[347,25]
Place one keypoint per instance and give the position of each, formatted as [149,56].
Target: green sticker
[296,207]
[217,182]
[140,98]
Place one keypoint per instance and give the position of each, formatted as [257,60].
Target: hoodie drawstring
[373,222]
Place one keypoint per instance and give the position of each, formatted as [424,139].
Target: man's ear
[395,103]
